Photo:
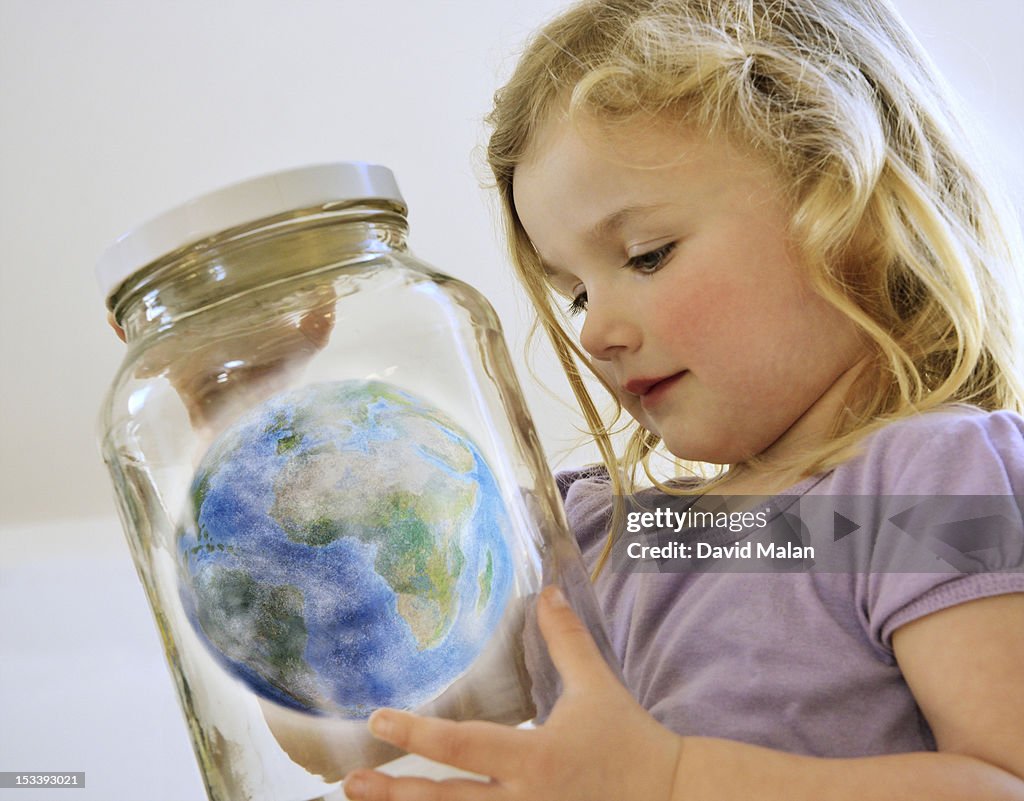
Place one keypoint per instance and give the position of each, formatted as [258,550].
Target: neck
[778,466]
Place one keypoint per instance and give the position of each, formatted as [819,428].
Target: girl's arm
[964,664]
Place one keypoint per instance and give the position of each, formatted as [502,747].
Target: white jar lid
[246,201]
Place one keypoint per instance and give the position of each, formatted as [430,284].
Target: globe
[347,549]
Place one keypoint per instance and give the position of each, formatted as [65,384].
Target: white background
[112,111]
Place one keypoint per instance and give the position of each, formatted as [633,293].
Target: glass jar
[329,481]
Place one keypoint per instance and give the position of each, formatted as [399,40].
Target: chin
[704,451]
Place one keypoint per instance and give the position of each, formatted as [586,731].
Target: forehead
[582,138]
[587,160]
[584,181]
[575,165]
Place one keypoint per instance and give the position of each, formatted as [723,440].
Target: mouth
[648,389]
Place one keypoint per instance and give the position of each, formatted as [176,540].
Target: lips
[642,387]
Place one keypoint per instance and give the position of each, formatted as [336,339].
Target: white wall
[114,110]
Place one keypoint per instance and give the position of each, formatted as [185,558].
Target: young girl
[785,264]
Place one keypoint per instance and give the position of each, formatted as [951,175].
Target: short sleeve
[952,485]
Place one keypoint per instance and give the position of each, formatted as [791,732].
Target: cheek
[742,336]
[700,315]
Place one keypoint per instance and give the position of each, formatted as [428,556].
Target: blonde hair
[889,210]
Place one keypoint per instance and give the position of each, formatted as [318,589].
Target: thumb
[573,651]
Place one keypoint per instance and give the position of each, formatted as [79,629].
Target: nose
[609,327]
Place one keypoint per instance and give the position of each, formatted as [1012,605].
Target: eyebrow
[551,274]
[606,227]
[614,221]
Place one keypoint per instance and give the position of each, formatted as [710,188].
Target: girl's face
[695,306]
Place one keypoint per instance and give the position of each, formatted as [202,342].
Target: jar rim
[239,203]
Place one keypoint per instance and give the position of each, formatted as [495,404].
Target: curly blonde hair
[890,212]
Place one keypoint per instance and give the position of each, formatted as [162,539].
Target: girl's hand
[598,743]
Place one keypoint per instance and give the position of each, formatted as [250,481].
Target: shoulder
[957,448]
[952,422]
[587,496]
[939,493]
[593,477]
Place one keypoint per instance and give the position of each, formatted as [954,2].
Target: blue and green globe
[348,550]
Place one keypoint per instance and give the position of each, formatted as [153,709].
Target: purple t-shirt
[803,661]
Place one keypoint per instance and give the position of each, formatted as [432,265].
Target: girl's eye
[651,261]
[578,305]
[645,263]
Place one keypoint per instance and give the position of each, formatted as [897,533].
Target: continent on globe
[346,549]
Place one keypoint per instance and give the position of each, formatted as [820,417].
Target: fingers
[489,749]
[112,322]
[368,785]
[572,649]
[316,325]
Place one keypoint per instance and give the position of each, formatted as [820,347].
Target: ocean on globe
[347,550]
